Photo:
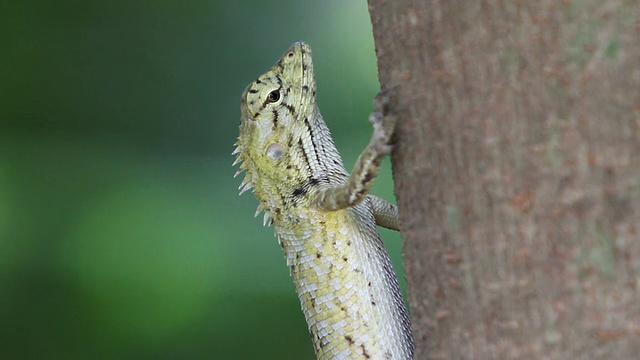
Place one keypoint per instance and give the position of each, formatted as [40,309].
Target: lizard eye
[273,96]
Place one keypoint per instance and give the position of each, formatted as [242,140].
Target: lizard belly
[347,287]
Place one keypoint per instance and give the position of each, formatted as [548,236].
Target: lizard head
[276,111]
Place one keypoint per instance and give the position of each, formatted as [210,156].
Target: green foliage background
[122,235]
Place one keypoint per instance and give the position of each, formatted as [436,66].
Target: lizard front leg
[366,169]
[385,213]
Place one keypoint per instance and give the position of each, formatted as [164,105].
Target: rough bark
[517,174]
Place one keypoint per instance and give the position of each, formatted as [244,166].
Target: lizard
[325,219]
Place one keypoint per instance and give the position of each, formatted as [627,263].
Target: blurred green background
[122,235]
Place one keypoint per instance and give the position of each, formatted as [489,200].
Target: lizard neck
[322,156]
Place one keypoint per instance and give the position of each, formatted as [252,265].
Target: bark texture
[517,174]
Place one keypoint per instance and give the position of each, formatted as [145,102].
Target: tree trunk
[517,171]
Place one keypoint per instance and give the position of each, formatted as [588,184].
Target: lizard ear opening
[275,151]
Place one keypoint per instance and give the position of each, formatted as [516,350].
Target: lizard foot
[383,121]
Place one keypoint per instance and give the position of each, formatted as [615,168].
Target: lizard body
[324,218]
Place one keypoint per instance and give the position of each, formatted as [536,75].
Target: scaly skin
[324,219]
